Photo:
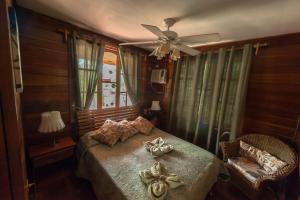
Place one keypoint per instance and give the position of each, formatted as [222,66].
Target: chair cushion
[248,151]
[270,163]
[250,169]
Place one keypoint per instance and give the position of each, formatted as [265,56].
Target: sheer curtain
[208,95]
[131,65]
[87,61]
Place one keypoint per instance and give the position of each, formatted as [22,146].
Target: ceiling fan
[168,41]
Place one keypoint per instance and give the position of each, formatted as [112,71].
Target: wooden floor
[61,183]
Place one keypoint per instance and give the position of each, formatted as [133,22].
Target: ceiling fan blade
[155,30]
[139,43]
[186,49]
[198,39]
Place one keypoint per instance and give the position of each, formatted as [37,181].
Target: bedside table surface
[42,149]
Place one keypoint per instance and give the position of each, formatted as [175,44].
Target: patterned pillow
[248,151]
[127,130]
[271,163]
[143,125]
[108,133]
[268,162]
[251,170]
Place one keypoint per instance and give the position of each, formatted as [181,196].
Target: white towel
[158,180]
[158,147]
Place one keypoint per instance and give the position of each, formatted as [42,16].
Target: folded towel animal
[158,147]
[159,181]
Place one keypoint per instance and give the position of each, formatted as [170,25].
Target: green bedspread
[113,172]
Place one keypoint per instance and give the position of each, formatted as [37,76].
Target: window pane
[82,84]
[109,73]
[94,102]
[80,62]
[110,58]
[108,95]
[123,99]
[129,103]
[122,84]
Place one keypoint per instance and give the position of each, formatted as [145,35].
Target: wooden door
[5,191]
[11,136]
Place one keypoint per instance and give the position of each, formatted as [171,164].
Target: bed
[114,171]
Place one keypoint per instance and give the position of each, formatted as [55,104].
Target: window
[109,80]
[114,93]
[82,64]
[124,97]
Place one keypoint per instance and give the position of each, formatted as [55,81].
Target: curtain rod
[67,33]
[259,45]
[112,45]
[256,46]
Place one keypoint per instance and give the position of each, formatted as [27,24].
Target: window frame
[114,50]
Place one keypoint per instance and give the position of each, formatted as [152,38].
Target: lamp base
[55,141]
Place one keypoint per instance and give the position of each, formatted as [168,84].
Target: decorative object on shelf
[159,76]
[155,106]
[51,122]
[152,113]
[15,49]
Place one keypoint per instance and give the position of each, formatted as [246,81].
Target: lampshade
[155,106]
[158,53]
[51,122]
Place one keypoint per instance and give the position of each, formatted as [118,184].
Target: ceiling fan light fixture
[175,55]
[156,51]
[165,48]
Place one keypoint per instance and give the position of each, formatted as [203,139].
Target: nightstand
[153,117]
[44,154]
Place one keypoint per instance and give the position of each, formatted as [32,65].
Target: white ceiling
[121,19]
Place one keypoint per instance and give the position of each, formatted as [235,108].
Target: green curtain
[87,59]
[208,95]
[131,65]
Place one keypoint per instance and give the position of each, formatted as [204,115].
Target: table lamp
[51,123]
[155,106]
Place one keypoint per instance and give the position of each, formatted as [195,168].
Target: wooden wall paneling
[5,190]
[11,113]
[273,96]
[46,70]
[150,95]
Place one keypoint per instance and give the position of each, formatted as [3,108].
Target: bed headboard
[89,120]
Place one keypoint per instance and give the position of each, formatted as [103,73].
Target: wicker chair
[275,182]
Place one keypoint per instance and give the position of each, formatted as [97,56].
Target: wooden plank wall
[45,70]
[45,65]
[273,95]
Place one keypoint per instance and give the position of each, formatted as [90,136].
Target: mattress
[113,171]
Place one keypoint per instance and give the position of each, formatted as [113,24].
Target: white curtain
[208,95]
[131,65]
[87,62]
